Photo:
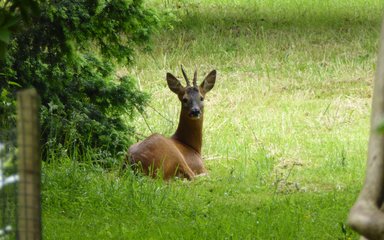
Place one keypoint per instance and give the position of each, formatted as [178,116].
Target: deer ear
[174,84]
[208,82]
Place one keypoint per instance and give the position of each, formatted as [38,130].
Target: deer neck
[190,131]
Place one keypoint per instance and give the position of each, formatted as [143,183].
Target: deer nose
[195,112]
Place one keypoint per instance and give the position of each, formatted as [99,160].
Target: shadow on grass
[309,17]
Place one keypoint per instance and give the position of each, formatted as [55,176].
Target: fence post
[29,165]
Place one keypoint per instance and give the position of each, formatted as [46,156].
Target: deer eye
[185,100]
[201,98]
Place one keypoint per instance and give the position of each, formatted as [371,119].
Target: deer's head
[192,97]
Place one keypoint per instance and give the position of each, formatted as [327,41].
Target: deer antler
[185,76]
[195,78]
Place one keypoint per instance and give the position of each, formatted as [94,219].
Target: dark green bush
[70,53]
[11,14]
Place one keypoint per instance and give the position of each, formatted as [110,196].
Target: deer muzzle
[195,113]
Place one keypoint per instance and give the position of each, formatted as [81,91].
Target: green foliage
[11,12]
[70,55]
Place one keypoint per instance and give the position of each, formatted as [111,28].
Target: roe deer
[179,155]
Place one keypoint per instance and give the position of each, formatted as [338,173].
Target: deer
[180,154]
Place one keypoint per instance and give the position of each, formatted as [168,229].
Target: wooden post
[29,165]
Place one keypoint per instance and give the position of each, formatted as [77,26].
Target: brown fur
[179,155]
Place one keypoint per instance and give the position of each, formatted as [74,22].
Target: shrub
[70,53]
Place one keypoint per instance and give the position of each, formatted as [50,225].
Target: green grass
[285,131]
[87,203]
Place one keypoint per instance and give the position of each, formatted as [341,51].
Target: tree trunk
[366,216]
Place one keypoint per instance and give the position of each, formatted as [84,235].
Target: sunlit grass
[294,80]
[285,129]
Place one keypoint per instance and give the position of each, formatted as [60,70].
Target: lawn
[285,127]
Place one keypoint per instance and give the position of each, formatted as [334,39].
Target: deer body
[179,155]
[161,153]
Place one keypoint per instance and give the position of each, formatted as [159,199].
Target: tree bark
[366,216]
